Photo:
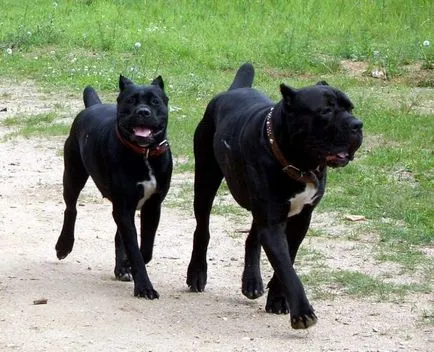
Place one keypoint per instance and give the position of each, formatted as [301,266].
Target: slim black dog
[124,149]
[274,158]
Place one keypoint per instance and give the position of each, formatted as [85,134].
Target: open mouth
[145,136]
[143,132]
[337,160]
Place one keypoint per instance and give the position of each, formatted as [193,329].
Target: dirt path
[89,311]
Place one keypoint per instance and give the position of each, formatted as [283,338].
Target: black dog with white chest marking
[124,149]
[274,158]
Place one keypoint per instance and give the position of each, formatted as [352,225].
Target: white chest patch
[149,187]
[308,196]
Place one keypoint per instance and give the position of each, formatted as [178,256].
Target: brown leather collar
[292,171]
[158,150]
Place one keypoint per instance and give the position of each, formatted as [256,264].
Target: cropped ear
[322,83]
[287,93]
[124,82]
[158,82]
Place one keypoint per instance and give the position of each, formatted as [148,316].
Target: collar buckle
[286,169]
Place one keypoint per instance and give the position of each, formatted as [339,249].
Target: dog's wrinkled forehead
[135,94]
[319,97]
[132,93]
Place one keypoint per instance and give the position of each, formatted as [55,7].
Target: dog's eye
[132,100]
[326,111]
[155,101]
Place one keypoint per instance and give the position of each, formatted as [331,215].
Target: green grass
[428,318]
[327,284]
[180,197]
[197,46]
[359,284]
[410,257]
[40,125]
[206,34]
[393,180]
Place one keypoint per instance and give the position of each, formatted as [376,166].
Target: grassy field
[197,46]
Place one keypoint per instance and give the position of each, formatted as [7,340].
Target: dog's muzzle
[343,157]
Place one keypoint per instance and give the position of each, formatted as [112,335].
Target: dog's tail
[244,77]
[90,97]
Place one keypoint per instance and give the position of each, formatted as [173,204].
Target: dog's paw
[197,283]
[62,253]
[124,277]
[64,245]
[277,304]
[304,321]
[252,288]
[196,279]
[149,293]
[123,273]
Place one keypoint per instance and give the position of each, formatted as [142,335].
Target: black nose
[145,112]
[356,125]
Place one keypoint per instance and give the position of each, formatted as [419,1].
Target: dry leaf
[40,301]
[354,217]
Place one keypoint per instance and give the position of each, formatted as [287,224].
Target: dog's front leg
[124,219]
[296,229]
[273,240]
[149,219]
[122,265]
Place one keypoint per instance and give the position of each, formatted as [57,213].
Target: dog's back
[90,97]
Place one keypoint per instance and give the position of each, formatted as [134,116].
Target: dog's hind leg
[208,177]
[74,179]
[252,285]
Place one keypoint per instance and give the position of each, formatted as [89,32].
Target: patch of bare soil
[415,74]
[87,310]
[355,68]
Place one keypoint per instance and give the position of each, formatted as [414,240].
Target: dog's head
[142,112]
[321,124]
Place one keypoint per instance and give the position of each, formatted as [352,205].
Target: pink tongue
[342,155]
[337,156]
[142,132]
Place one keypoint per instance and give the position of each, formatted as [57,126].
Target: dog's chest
[308,196]
[149,185]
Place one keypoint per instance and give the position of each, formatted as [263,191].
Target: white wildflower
[426,43]
[9,51]
[137,45]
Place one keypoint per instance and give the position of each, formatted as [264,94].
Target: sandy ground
[87,310]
